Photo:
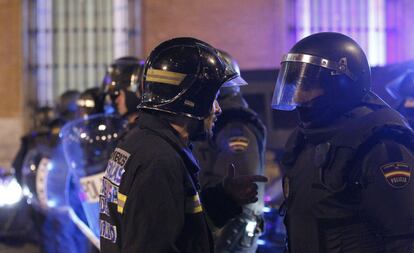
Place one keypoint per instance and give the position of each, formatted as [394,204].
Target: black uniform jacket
[239,139]
[150,198]
[348,185]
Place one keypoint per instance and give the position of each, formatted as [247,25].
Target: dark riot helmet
[233,89]
[67,107]
[124,74]
[43,116]
[183,76]
[331,61]
[91,101]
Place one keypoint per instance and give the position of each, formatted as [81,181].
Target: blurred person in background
[121,87]
[239,140]
[47,124]
[41,154]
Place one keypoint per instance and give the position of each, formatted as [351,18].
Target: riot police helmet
[182,76]
[91,101]
[330,63]
[67,106]
[43,116]
[124,74]
[231,88]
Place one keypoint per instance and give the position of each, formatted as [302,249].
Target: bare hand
[242,189]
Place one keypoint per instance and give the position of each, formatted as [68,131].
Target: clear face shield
[293,80]
[48,185]
[88,144]
[46,178]
[299,79]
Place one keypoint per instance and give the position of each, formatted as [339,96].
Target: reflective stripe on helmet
[164,76]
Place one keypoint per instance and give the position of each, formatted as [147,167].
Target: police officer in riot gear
[42,117]
[67,107]
[238,138]
[151,199]
[46,132]
[348,164]
[121,86]
[55,230]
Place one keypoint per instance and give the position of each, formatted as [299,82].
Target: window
[68,44]
[363,20]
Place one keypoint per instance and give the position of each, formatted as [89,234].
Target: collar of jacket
[152,122]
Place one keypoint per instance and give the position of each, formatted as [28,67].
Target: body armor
[323,182]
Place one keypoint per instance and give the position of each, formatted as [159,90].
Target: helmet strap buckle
[343,69]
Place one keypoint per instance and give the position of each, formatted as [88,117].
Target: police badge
[397,174]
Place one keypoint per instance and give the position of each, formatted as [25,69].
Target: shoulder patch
[238,143]
[397,174]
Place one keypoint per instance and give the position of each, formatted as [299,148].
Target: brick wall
[11,79]
[252,31]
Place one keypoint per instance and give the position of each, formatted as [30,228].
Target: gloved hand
[242,189]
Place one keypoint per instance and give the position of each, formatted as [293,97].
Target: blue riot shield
[50,188]
[88,144]
[46,177]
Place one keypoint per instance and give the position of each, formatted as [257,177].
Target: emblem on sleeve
[238,143]
[397,174]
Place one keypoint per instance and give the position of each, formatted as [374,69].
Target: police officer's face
[120,102]
[303,96]
[306,79]
[209,121]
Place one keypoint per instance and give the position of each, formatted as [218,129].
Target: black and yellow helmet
[183,76]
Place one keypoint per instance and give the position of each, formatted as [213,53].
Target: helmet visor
[294,80]
[114,82]
[234,82]
[232,70]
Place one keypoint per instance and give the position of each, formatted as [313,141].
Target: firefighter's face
[212,118]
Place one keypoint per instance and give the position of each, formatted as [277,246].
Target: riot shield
[46,177]
[88,144]
[49,186]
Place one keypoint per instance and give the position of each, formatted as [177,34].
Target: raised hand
[242,188]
